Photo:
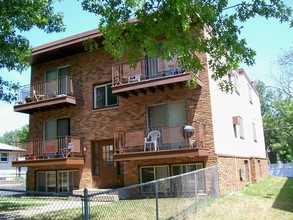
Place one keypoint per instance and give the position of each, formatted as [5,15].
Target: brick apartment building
[90,116]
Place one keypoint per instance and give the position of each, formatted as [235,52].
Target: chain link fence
[171,198]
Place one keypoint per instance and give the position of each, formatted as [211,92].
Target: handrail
[146,68]
[62,146]
[65,85]
[172,137]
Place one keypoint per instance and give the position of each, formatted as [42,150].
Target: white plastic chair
[152,138]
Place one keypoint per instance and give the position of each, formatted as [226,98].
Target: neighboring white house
[8,154]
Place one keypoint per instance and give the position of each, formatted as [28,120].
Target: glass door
[51,83]
[64,80]
[150,67]
[167,115]
[63,181]
[51,181]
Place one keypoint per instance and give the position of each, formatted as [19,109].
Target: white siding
[224,107]
[6,167]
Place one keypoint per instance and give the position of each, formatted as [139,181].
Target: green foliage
[15,137]
[10,87]
[277,113]
[284,81]
[192,83]
[183,27]
[17,17]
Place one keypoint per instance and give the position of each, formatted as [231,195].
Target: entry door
[108,172]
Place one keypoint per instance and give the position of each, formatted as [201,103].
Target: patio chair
[38,97]
[152,138]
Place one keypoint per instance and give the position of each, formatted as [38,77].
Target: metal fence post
[157,200]
[195,191]
[86,204]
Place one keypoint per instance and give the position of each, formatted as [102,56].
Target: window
[46,181]
[241,130]
[184,168]
[234,78]
[249,93]
[57,128]
[96,168]
[108,155]
[57,81]
[237,121]
[67,181]
[57,181]
[4,157]
[167,114]
[254,132]
[103,97]
[151,67]
[153,173]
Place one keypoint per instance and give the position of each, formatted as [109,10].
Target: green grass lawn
[13,204]
[126,209]
[271,198]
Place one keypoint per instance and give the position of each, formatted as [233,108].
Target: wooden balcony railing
[63,86]
[146,69]
[60,147]
[171,138]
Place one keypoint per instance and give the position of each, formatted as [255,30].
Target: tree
[284,81]
[277,113]
[17,17]
[16,137]
[176,27]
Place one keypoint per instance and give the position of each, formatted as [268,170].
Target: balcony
[64,150]
[150,74]
[173,142]
[48,95]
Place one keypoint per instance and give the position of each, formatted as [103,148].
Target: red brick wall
[92,125]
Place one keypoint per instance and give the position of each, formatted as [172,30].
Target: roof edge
[66,41]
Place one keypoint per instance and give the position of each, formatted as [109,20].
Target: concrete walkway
[46,207]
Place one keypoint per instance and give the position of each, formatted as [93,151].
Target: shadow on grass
[284,200]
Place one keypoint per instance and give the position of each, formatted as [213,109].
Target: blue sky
[267,37]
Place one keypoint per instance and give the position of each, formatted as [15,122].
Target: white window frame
[241,128]
[6,158]
[234,79]
[254,132]
[250,93]
[106,96]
